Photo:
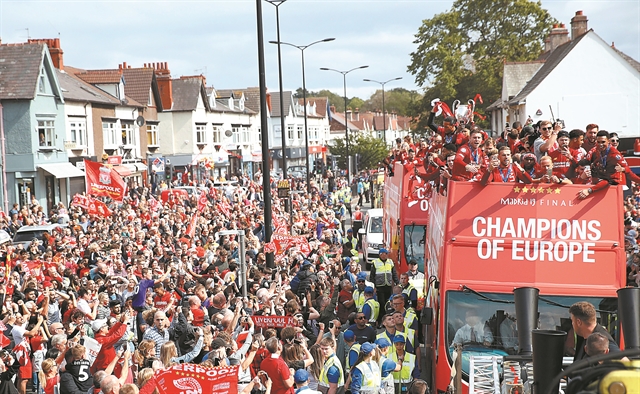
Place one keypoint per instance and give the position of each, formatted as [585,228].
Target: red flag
[154,204]
[192,378]
[101,180]
[273,321]
[97,207]
[80,201]
[202,201]
[191,229]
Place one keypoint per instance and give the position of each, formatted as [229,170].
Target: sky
[218,38]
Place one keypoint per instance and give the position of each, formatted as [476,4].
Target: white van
[26,234]
[371,234]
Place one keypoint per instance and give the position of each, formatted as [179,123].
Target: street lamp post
[346,123]
[277,3]
[243,257]
[304,99]
[384,115]
[266,184]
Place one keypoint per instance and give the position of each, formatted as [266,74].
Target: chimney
[54,50]
[332,108]
[579,25]
[357,113]
[559,35]
[201,77]
[348,115]
[163,76]
[268,95]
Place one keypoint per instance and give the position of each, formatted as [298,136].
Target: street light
[346,123]
[264,126]
[304,99]
[277,3]
[384,115]
[242,253]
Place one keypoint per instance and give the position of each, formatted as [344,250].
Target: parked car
[26,234]
[371,234]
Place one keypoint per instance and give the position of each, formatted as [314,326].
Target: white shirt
[18,333]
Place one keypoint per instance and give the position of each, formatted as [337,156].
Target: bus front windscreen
[414,244]
[485,324]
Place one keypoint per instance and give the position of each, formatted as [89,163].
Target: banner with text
[103,181]
[194,379]
[273,321]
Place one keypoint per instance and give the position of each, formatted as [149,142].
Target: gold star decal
[549,191]
[534,190]
[516,189]
[541,190]
[557,191]
[525,189]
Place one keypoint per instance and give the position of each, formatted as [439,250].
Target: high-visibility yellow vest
[408,334]
[408,291]
[358,297]
[409,317]
[387,385]
[375,309]
[384,269]
[371,377]
[323,379]
[404,375]
[355,348]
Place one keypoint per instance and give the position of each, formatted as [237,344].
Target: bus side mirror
[362,231]
[427,316]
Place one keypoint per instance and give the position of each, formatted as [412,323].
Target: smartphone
[549,172]
[331,325]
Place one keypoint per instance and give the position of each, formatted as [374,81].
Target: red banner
[154,204]
[33,268]
[191,229]
[194,379]
[102,180]
[202,201]
[273,321]
[282,242]
[80,201]
[97,207]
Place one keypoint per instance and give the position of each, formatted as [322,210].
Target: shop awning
[141,167]
[122,170]
[62,170]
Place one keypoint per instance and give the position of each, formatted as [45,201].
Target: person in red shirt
[501,169]
[563,157]
[530,165]
[162,299]
[603,160]
[107,338]
[275,367]
[469,159]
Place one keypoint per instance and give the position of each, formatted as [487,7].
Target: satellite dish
[228,133]
[140,121]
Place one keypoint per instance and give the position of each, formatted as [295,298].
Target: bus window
[487,326]
[414,238]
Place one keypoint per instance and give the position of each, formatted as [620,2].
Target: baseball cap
[388,366]
[98,324]
[362,276]
[413,262]
[399,339]
[383,342]
[368,290]
[349,335]
[350,230]
[301,376]
[383,250]
[367,347]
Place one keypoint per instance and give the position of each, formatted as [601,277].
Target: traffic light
[358,163]
[168,172]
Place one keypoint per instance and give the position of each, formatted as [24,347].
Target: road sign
[283,188]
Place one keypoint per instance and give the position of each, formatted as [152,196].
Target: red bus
[485,241]
[406,218]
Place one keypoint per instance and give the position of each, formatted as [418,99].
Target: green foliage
[396,100]
[372,150]
[461,52]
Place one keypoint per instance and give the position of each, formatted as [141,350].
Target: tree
[371,150]
[334,99]
[461,52]
[396,100]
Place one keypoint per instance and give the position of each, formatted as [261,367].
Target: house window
[217,134]
[41,81]
[78,130]
[128,136]
[235,129]
[290,132]
[300,129]
[201,133]
[244,132]
[152,134]
[109,133]
[313,131]
[260,135]
[46,133]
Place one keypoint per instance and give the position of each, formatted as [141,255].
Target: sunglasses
[614,140]
[360,281]
[546,128]
[360,318]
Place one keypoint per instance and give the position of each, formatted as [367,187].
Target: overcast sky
[218,38]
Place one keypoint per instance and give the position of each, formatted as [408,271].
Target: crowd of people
[104,303]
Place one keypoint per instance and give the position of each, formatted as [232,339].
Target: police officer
[371,307]
[358,292]
[350,246]
[409,290]
[331,379]
[408,362]
[365,374]
[385,276]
